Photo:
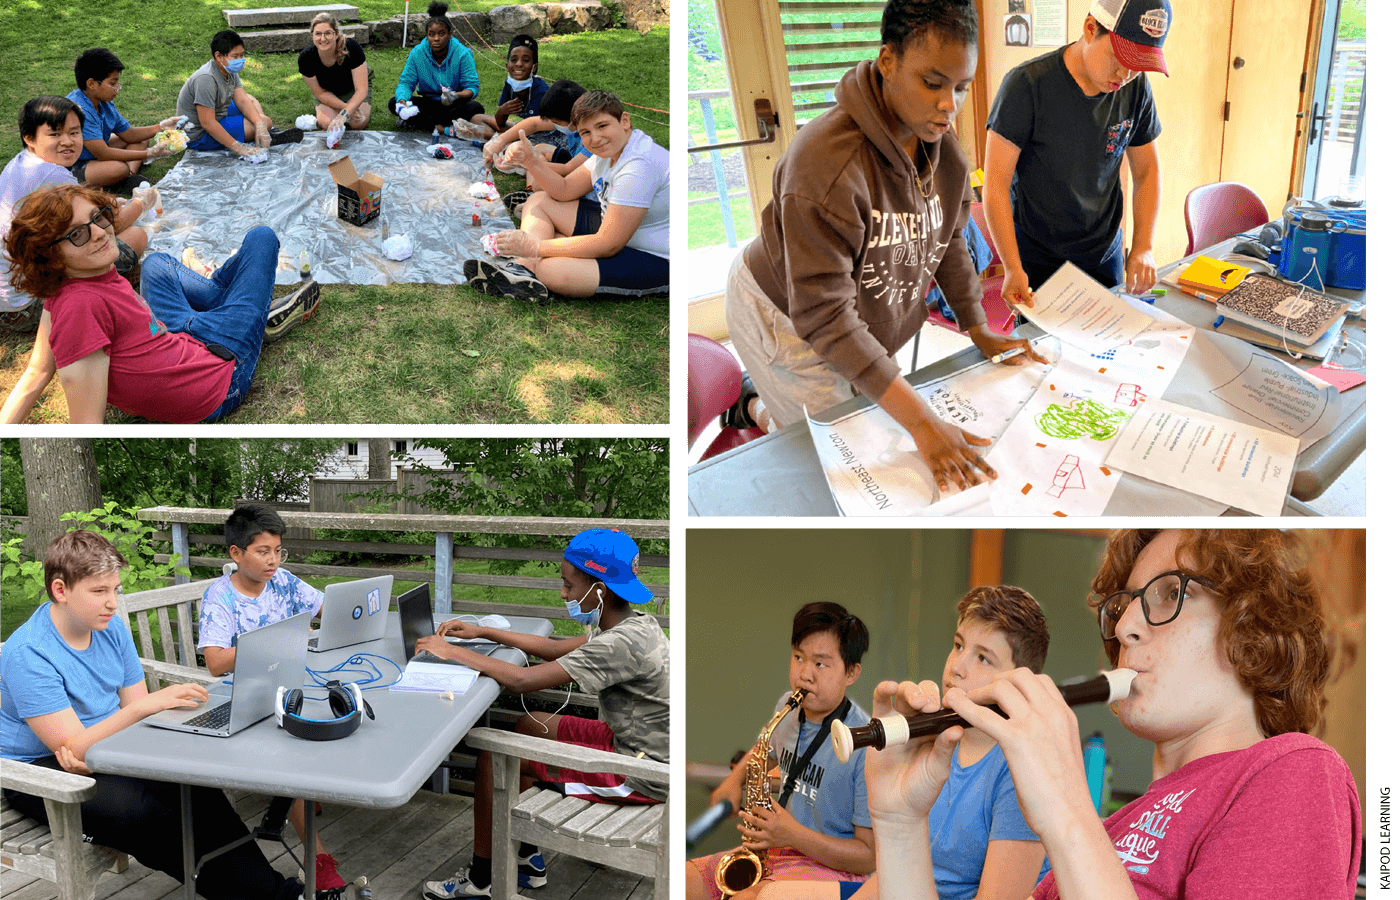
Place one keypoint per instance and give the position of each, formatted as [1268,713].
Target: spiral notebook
[1286,310]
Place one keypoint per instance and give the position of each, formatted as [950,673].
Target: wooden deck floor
[429,837]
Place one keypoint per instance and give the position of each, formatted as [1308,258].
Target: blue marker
[1218,321]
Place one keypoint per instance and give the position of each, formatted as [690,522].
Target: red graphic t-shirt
[153,373]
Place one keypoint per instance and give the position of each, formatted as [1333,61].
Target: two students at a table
[70,681]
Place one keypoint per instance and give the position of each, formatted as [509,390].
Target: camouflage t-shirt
[629,668]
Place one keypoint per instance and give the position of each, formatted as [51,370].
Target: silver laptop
[268,658]
[353,612]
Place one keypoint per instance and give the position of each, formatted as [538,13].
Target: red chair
[1000,317]
[713,380]
[1216,212]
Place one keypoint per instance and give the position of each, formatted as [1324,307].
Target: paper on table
[435,678]
[1077,309]
[1272,392]
[1245,466]
[870,462]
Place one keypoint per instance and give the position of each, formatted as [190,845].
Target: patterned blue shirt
[226,613]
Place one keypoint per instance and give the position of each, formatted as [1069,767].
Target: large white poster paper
[1239,464]
[1080,311]
[872,465]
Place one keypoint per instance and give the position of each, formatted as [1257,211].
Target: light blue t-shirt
[226,613]
[41,674]
[829,796]
[977,805]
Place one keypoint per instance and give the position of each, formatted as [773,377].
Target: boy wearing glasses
[259,592]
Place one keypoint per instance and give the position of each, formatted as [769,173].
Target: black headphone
[348,709]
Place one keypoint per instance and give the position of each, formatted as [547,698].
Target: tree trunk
[379,459]
[60,476]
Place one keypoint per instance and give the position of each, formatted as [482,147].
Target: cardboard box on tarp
[357,196]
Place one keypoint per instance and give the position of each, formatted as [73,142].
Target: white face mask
[521,85]
[563,129]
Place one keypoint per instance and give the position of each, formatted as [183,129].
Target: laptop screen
[415,617]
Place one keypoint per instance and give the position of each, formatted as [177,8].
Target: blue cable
[355,665]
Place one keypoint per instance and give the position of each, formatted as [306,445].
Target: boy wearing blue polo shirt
[259,592]
[71,678]
[626,661]
[113,149]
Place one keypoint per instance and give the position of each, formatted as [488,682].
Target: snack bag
[172,138]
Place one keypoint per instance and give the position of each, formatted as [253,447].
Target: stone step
[288,15]
[294,40]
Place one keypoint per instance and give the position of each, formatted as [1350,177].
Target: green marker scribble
[1086,418]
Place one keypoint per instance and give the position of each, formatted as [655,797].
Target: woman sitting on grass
[335,70]
[109,345]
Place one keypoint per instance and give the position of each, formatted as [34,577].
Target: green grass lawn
[423,353]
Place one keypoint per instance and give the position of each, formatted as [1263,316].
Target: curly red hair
[1272,628]
[36,266]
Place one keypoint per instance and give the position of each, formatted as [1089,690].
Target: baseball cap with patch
[612,557]
[1138,29]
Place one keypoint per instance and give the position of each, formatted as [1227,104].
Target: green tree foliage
[1351,21]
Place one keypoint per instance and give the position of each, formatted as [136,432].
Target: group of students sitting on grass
[178,341]
[73,677]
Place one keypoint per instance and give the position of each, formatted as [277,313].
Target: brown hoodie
[849,244]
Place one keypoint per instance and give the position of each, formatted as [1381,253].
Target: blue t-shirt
[531,96]
[41,674]
[226,613]
[977,805]
[829,796]
[99,122]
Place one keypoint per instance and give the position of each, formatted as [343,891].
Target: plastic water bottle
[148,215]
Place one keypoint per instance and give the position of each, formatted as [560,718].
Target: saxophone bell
[743,868]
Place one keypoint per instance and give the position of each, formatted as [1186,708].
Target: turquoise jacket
[424,75]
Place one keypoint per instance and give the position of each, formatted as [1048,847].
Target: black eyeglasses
[79,236]
[1161,600]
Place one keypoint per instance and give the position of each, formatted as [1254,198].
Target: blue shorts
[631,271]
[232,124]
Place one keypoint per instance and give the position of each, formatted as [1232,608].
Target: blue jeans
[229,308]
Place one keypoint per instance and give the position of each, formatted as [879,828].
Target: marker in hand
[1008,354]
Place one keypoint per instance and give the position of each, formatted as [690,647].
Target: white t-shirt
[21,176]
[641,177]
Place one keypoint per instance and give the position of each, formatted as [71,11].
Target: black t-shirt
[1065,194]
[336,79]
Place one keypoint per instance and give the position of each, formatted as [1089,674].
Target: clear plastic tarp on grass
[211,199]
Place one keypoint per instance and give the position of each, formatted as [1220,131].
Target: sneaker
[514,200]
[290,136]
[531,870]
[459,885]
[327,878]
[290,311]
[502,278]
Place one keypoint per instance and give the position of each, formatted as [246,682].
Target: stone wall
[644,15]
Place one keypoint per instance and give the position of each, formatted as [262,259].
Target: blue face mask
[236,65]
[520,85]
[588,619]
[563,129]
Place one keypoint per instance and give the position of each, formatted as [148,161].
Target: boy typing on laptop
[626,661]
[71,678]
[257,593]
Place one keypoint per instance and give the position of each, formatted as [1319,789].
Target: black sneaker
[500,278]
[290,311]
[514,200]
[290,136]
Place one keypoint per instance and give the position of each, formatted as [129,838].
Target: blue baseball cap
[1138,29]
[612,557]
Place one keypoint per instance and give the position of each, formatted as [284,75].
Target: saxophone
[742,868]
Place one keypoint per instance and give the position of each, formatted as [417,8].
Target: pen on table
[1197,294]
[1007,354]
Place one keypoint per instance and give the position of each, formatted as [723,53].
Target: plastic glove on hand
[406,110]
[448,96]
[517,244]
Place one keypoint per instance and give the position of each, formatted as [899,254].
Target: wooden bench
[633,838]
[56,852]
